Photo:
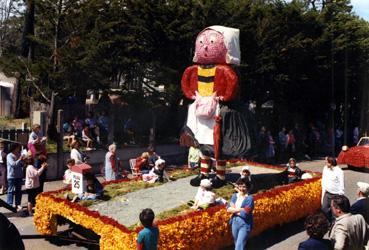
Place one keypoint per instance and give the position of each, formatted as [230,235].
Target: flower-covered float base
[207,229]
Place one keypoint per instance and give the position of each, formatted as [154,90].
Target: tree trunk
[28,30]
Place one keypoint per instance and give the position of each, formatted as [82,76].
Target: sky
[361,8]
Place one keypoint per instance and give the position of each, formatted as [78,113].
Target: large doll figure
[214,120]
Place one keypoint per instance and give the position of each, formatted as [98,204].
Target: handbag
[205,106]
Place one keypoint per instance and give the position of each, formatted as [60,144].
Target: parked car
[357,156]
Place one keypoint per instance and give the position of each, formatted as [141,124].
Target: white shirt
[333,180]
[204,197]
[67,178]
[32,177]
[239,200]
[76,156]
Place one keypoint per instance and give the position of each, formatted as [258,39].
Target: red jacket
[225,82]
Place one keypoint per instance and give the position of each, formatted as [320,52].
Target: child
[158,173]
[245,173]
[32,181]
[67,178]
[86,137]
[36,142]
[148,237]
[142,162]
[204,197]
[193,157]
[153,157]
[294,172]
[94,188]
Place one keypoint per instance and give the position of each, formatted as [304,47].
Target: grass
[10,123]
[115,190]
[224,192]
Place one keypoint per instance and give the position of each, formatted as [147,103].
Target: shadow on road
[274,236]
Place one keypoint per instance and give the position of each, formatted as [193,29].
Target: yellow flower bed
[207,229]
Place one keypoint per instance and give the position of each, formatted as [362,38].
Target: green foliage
[286,47]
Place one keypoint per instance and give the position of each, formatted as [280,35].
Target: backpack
[205,106]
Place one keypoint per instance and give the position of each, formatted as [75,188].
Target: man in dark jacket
[10,238]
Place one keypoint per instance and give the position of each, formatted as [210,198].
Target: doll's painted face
[210,48]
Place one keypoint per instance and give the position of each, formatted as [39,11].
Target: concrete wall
[172,154]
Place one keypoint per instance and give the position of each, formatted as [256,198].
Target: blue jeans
[240,232]
[14,189]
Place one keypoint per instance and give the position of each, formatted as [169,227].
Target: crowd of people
[337,226]
[347,226]
[28,164]
[300,143]
[92,131]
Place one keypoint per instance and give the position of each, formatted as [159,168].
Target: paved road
[289,236]
[284,238]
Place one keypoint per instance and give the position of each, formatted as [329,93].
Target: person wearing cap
[2,168]
[245,173]
[157,173]
[361,206]
[241,207]
[204,196]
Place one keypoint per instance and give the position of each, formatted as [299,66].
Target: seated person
[158,173]
[94,189]
[153,157]
[245,173]
[142,162]
[67,178]
[193,157]
[86,137]
[68,132]
[204,197]
[294,172]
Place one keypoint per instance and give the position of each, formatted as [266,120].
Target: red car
[357,156]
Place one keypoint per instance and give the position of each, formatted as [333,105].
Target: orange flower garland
[207,229]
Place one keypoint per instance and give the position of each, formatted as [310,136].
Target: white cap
[245,168]
[231,41]
[159,162]
[363,187]
[206,183]
[306,176]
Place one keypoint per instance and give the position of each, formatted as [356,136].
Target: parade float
[219,126]
[207,229]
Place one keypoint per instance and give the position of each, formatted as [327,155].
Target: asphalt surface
[284,238]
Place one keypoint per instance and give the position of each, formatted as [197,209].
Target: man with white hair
[361,206]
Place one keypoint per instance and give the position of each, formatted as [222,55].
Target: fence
[14,135]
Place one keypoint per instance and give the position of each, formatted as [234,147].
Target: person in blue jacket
[241,207]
